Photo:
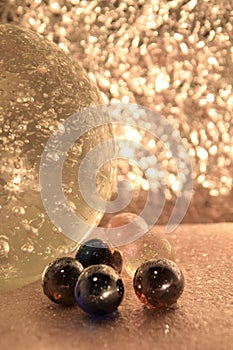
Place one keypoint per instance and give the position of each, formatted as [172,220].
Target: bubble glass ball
[158,283]
[99,290]
[96,251]
[40,87]
[59,279]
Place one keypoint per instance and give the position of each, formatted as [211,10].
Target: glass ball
[95,252]
[150,246]
[158,283]
[59,279]
[126,233]
[99,290]
[40,87]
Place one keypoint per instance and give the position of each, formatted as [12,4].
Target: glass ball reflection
[40,86]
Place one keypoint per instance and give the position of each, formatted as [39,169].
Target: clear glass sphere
[40,87]
[144,246]
[149,246]
[137,228]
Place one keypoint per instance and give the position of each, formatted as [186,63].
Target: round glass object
[40,87]
[144,246]
[150,246]
[137,228]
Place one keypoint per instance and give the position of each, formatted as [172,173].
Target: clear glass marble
[149,246]
[137,228]
[145,245]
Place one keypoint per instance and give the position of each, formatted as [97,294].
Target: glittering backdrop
[175,57]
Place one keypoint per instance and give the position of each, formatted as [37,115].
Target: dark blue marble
[95,251]
[99,290]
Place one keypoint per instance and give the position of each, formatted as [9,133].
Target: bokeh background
[175,57]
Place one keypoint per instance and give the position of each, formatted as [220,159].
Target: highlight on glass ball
[40,87]
[158,283]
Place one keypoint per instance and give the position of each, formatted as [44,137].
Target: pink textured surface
[203,318]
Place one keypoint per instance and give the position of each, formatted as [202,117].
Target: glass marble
[59,279]
[149,246]
[99,290]
[158,283]
[137,227]
[96,251]
[40,87]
